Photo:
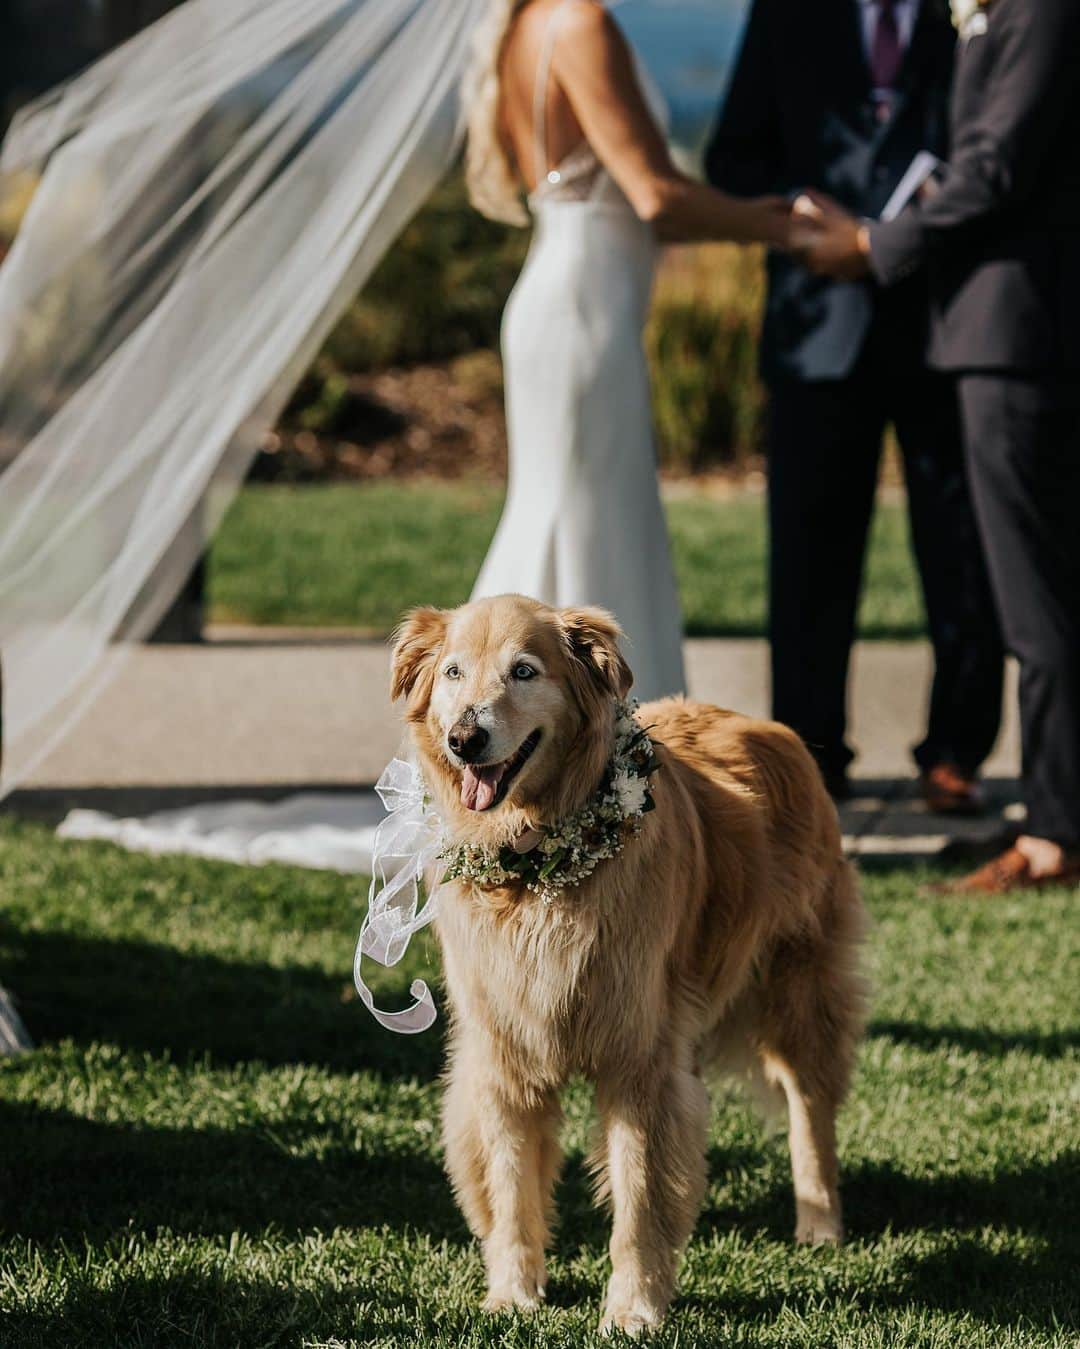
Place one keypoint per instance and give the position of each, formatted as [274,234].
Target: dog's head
[510,704]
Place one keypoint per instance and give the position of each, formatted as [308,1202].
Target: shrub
[702,344]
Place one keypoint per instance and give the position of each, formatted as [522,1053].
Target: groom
[1001,242]
[841,95]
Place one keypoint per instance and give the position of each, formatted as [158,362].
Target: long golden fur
[725,934]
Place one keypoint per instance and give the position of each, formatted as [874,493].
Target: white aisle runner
[333,831]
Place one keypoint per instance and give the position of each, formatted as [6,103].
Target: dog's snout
[467,740]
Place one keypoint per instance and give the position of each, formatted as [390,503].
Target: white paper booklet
[922,169]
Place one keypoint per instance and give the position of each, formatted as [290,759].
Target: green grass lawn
[214,1145]
[357,556]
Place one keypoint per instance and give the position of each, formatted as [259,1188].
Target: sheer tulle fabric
[213,195]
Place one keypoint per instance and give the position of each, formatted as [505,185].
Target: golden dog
[724,933]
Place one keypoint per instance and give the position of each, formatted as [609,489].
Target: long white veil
[214,193]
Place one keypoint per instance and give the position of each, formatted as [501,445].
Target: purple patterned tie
[886,53]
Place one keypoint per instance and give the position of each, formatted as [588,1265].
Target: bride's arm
[596,71]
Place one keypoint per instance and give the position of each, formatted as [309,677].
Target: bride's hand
[768,220]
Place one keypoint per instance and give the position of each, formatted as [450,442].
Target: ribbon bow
[407,845]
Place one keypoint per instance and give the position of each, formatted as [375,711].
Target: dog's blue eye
[452,672]
[524,672]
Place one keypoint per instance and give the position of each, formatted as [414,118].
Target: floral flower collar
[556,857]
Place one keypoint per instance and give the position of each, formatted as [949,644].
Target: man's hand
[828,240]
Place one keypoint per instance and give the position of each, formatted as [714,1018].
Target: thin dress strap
[543,72]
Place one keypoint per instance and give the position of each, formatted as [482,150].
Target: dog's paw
[632,1323]
[522,1297]
[633,1313]
[522,1287]
[818,1226]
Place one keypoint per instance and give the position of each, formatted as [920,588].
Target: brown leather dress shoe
[1007,872]
[948,790]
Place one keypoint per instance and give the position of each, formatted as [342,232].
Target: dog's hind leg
[503,1158]
[812,1018]
[814,1169]
[655,1122]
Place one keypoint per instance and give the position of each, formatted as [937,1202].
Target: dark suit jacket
[1002,237]
[798,114]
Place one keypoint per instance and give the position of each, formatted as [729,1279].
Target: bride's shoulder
[586,16]
[586,24]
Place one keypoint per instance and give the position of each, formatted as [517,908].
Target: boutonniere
[969,17]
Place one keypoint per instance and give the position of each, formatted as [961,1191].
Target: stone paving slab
[263,717]
[890,821]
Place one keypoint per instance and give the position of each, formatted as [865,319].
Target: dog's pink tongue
[479,786]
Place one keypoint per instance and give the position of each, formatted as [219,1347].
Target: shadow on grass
[1030,1197]
[156,998]
[977,1039]
[210,1309]
[65,1177]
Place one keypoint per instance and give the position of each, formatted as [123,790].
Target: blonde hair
[491,177]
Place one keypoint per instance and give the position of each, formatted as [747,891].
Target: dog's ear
[592,641]
[416,644]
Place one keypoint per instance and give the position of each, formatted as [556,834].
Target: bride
[557,106]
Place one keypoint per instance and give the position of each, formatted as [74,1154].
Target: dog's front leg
[655,1125]
[503,1157]
[521,1160]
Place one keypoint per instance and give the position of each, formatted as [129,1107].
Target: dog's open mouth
[485,785]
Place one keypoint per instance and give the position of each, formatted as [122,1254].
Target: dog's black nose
[468,741]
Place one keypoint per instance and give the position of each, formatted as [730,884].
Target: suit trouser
[1023,443]
[825,448]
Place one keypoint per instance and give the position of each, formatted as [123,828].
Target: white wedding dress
[583,522]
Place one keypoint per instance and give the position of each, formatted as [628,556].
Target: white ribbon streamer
[406,855]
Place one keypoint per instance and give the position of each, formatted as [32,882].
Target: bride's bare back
[592,91]
[593,94]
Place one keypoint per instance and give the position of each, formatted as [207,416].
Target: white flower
[968,18]
[625,722]
[631,791]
